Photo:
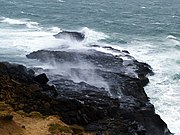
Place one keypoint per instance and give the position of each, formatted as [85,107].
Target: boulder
[70,35]
[41,79]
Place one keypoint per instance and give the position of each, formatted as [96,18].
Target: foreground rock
[21,123]
[116,104]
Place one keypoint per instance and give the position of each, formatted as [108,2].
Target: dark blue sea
[149,30]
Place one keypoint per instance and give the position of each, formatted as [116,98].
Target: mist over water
[80,72]
[149,30]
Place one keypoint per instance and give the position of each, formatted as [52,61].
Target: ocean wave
[175,16]
[62,1]
[171,37]
[158,23]
[164,85]
[31,14]
[55,29]
[92,35]
[174,40]
[25,22]
[32,40]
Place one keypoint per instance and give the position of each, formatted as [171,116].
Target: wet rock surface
[71,35]
[114,103]
[122,77]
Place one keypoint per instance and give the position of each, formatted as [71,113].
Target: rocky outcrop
[71,35]
[123,100]
[113,103]
[123,77]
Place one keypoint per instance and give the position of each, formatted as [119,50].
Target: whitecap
[157,23]
[26,22]
[174,16]
[62,1]
[55,29]
[92,35]
[171,37]
[162,89]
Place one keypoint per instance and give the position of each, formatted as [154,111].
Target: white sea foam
[55,29]
[26,22]
[171,37]
[92,35]
[173,40]
[28,39]
[25,40]
[175,16]
[162,89]
[62,1]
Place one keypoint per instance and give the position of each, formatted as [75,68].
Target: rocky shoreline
[102,92]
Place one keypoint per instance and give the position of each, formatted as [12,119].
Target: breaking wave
[25,22]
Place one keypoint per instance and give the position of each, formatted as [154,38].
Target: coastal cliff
[101,92]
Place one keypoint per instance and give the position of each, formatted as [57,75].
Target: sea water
[149,30]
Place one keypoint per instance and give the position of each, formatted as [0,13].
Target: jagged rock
[70,34]
[125,110]
[96,109]
[7,118]
[41,79]
[110,68]
[125,51]
[16,72]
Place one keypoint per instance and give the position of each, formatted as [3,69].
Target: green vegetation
[31,114]
[5,112]
[56,128]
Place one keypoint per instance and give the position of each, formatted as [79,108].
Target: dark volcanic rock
[41,79]
[70,34]
[121,78]
[122,109]
[99,91]
[16,72]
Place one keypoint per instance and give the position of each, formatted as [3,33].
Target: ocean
[149,30]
